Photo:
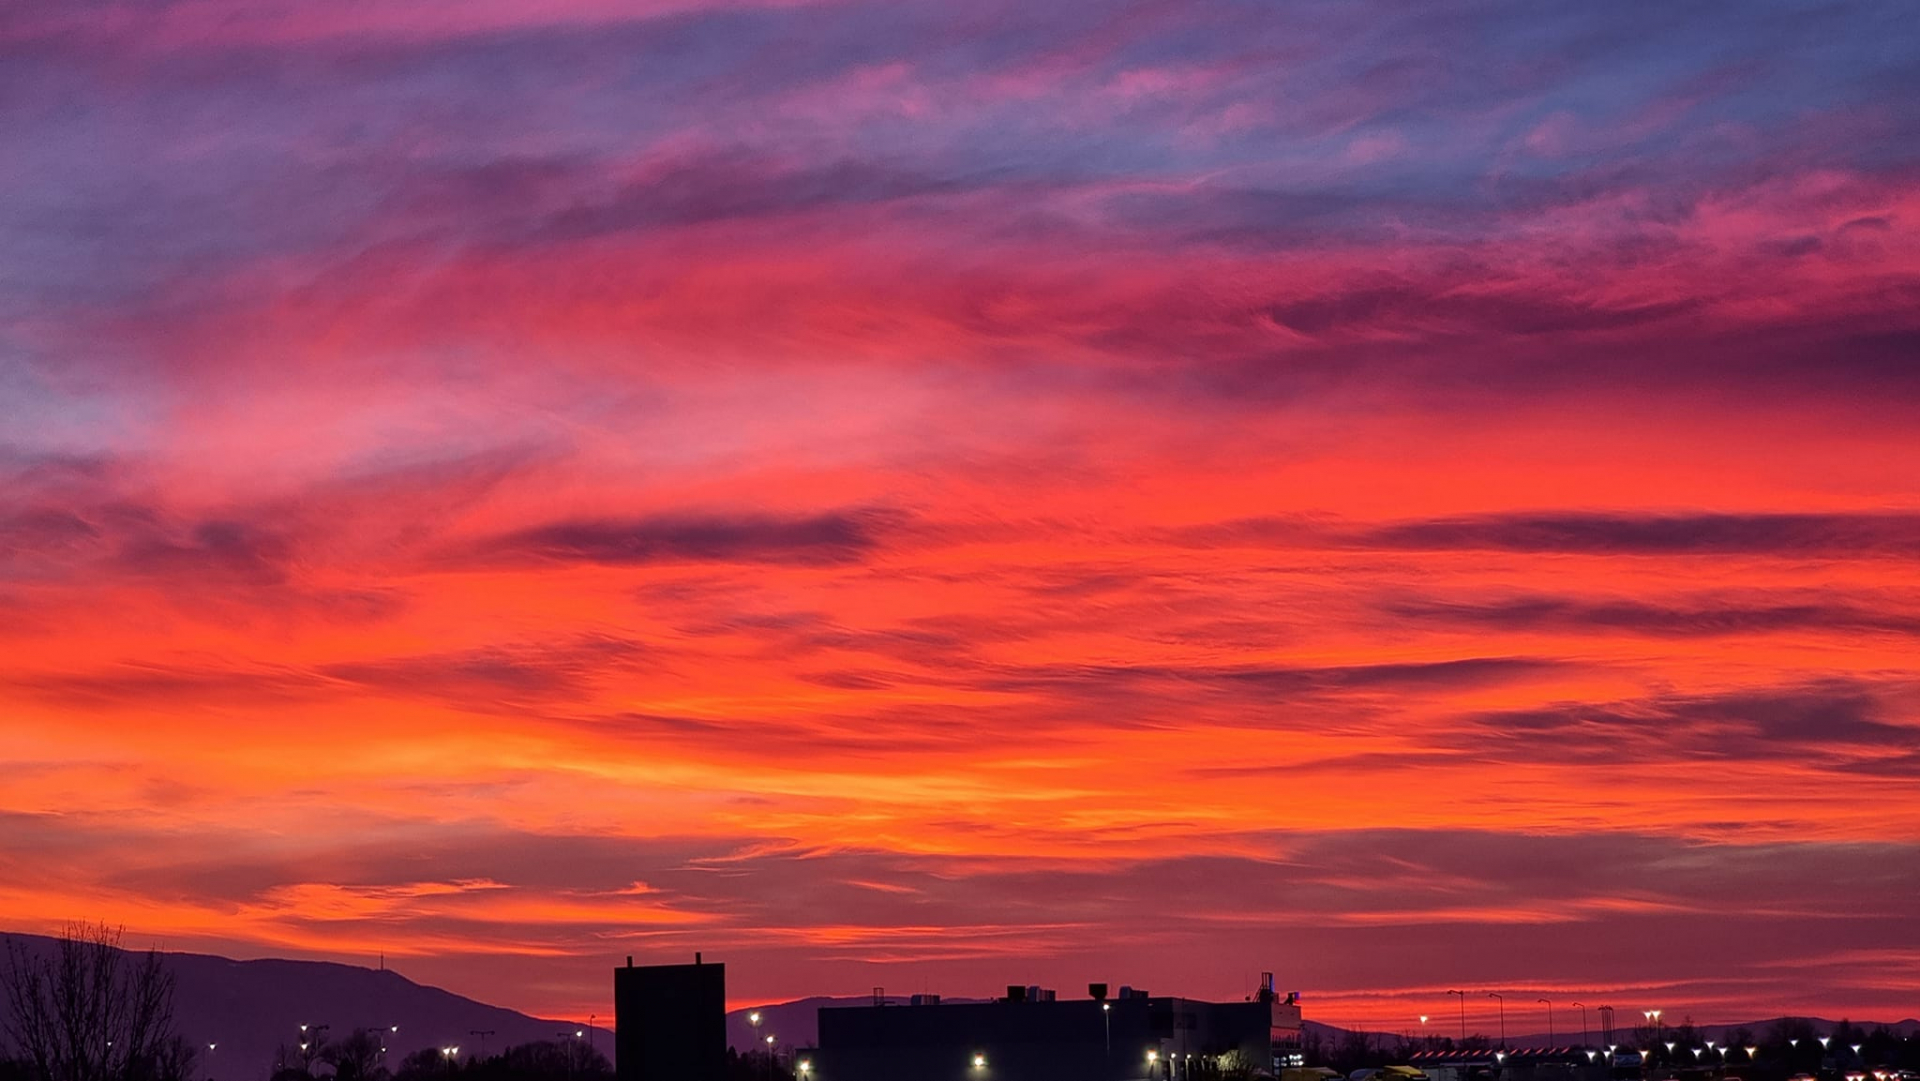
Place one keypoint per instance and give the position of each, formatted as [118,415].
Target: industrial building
[670,1022]
[1033,1035]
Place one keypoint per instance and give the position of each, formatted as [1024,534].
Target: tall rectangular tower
[670,1022]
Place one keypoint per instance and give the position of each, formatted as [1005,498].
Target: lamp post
[310,1043]
[381,1032]
[1550,1040]
[1503,1017]
[769,1056]
[1106,1016]
[1426,1037]
[1583,1023]
[1463,1017]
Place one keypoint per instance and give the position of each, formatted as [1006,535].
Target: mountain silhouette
[248,1008]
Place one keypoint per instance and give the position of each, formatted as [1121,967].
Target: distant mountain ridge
[248,1008]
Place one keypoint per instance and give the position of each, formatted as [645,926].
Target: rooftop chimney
[629,960]
[696,957]
[1098,991]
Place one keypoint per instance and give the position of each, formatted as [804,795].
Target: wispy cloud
[929,488]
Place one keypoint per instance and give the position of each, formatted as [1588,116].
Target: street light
[1106,1016]
[1550,1040]
[979,1061]
[1463,1015]
[1583,1023]
[1503,1015]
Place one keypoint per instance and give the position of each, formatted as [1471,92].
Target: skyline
[900,495]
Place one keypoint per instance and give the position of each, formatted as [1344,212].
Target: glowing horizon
[899,495]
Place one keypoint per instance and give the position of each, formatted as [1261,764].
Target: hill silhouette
[248,1008]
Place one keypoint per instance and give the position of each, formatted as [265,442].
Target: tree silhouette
[89,1011]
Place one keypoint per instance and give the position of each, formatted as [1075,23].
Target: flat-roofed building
[1029,1037]
[670,1022]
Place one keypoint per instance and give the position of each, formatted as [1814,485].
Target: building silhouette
[1033,1035]
[670,1022]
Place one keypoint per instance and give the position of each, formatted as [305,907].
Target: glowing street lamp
[979,1060]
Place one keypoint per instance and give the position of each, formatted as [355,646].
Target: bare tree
[175,1060]
[87,1010]
[356,1058]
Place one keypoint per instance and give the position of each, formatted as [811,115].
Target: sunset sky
[940,495]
